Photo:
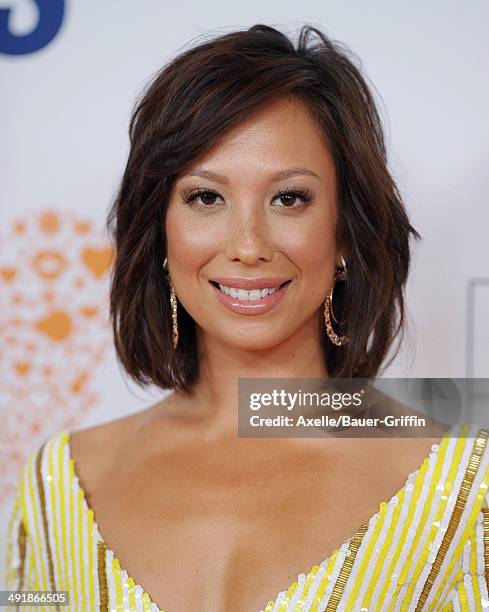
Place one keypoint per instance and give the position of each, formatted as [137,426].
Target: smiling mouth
[248,295]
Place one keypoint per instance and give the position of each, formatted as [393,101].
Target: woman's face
[261,204]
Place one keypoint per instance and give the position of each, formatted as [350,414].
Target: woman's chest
[226,539]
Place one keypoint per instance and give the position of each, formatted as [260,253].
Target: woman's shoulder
[48,464]
[464,450]
[462,468]
[463,559]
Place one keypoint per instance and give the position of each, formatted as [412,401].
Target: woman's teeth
[245,294]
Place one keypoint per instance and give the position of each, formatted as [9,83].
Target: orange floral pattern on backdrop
[54,329]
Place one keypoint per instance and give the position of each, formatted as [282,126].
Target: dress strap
[467,507]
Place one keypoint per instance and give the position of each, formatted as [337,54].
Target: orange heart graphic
[8,274]
[97,260]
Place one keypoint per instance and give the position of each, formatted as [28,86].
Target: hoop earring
[173,304]
[339,275]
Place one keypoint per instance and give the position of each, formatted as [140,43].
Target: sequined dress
[427,548]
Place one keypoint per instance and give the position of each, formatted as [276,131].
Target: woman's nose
[248,237]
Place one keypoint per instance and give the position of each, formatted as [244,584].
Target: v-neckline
[360,532]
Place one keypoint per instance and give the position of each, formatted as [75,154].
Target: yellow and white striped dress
[427,548]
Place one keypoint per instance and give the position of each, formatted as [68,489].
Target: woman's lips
[250,282]
[250,307]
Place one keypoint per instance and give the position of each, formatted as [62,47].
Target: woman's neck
[214,397]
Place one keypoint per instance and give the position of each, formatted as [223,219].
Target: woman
[256,190]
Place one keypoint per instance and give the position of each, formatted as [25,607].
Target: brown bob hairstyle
[192,102]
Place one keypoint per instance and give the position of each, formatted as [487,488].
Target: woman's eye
[206,197]
[288,197]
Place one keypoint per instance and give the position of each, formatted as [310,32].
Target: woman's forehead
[279,138]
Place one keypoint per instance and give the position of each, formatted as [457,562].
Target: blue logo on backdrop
[51,14]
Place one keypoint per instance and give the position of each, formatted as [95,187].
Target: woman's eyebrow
[221,178]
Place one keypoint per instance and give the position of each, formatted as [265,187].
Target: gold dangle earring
[339,275]
[173,303]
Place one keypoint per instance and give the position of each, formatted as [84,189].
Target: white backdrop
[64,117]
